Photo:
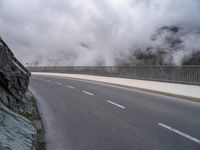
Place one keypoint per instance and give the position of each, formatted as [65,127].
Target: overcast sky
[88,32]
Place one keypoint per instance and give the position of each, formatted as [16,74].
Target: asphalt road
[80,115]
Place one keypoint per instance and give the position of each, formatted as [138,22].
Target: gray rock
[17,133]
[14,78]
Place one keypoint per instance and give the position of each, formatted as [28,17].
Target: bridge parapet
[174,74]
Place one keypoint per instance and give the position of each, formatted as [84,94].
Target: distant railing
[176,74]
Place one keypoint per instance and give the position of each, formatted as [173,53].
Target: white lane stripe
[87,93]
[179,132]
[58,83]
[48,80]
[120,106]
[71,87]
[33,77]
[40,79]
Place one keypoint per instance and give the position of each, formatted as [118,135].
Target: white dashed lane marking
[115,104]
[71,87]
[179,133]
[58,83]
[91,94]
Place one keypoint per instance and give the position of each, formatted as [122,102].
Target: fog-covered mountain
[170,45]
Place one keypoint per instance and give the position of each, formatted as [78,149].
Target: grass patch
[33,115]
[26,115]
[42,146]
[40,131]
[34,101]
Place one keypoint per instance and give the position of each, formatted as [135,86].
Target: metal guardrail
[175,74]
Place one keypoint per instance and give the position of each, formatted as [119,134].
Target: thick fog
[94,32]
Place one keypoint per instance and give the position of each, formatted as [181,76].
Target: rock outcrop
[16,131]
[14,78]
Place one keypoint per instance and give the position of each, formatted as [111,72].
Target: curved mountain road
[81,115]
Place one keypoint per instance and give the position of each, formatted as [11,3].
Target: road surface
[81,115]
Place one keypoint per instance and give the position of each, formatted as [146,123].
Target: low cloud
[93,32]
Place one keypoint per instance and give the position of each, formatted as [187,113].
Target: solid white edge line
[58,83]
[88,93]
[120,106]
[71,87]
[179,132]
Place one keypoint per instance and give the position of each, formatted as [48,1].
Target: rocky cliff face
[14,78]
[16,131]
